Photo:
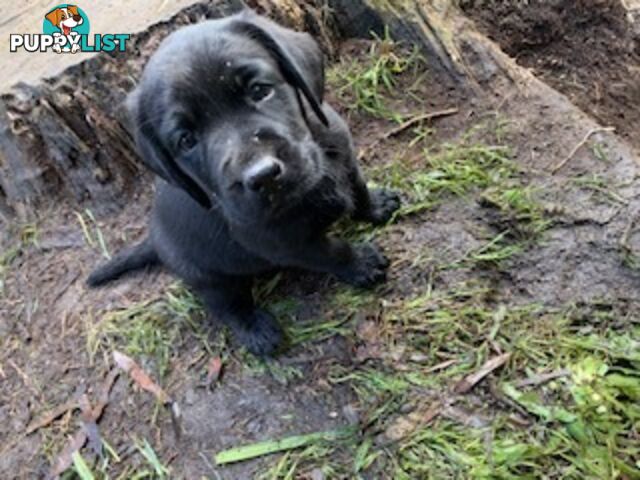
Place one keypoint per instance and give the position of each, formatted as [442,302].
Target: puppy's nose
[263,173]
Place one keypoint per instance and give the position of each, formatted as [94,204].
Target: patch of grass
[455,170]
[518,210]
[473,171]
[581,424]
[363,85]
[332,319]
[111,462]
[581,427]
[300,464]
[495,251]
[600,187]
[154,329]
[283,374]
[629,259]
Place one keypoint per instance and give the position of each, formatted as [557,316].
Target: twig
[49,417]
[441,366]
[489,366]
[542,378]
[25,378]
[403,126]
[561,164]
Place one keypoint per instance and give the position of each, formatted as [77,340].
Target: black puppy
[253,169]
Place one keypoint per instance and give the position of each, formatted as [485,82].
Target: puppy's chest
[331,199]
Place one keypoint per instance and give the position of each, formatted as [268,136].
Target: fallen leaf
[441,366]
[51,416]
[465,417]
[65,458]
[144,381]
[89,430]
[489,366]
[213,371]
[368,331]
[405,425]
[139,376]
[90,426]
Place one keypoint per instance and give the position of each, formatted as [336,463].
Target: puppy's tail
[133,258]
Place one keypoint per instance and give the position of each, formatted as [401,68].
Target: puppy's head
[226,109]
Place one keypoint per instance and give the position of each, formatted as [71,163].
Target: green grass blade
[247,452]
[81,467]
[150,455]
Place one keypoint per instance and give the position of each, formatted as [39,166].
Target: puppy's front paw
[383,204]
[368,267]
[261,334]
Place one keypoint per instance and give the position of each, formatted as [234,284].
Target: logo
[65,29]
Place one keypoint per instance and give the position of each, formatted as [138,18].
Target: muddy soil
[45,362]
[588,49]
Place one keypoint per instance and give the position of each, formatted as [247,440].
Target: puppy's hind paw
[261,335]
[368,267]
[383,204]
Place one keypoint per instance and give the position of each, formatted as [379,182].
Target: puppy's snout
[77,18]
[264,173]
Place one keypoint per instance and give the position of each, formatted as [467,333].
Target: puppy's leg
[229,299]
[360,265]
[375,206]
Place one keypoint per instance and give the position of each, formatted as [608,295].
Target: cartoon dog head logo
[67,20]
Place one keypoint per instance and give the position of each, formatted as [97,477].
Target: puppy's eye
[186,141]
[260,91]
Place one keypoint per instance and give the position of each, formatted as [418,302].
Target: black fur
[248,182]
[133,258]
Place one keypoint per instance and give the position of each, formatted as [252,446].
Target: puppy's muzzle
[263,175]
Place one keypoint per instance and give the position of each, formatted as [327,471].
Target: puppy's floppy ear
[298,56]
[73,9]
[155,154]
[54,16]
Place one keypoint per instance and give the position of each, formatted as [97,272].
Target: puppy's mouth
[271,204]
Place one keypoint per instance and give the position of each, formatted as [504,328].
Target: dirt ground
[494,256]
[588,50]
